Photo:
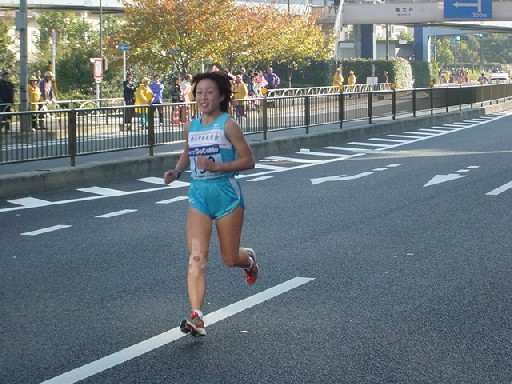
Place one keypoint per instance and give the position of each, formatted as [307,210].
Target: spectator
[352,79]
[249,83]
[186,89]
[240,93]
[47,88]
[34,95]
[157,88]
[337,79]
[385,77]
[483,79]
[258,84]
[188,97]
[143,96]
[6,99]
[176,96]
[246,76]
[129,88]
[272,79]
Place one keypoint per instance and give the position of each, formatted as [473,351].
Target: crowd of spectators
[248,86]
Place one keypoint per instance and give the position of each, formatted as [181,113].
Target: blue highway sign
[123,47]
[468,9]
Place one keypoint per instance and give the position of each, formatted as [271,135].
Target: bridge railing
[71,132]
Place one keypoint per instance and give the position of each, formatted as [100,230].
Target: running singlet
[211,142]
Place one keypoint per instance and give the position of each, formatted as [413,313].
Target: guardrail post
[432,99]
[151,130]
[393,104]
[341,108]
[72,144]
[460,97]
[414,102]
[370,106]
[307,113]
[265,118]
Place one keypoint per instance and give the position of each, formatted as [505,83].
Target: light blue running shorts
[215,197]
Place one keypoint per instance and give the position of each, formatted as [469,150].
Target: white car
[499,78]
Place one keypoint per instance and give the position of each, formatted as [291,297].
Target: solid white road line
[45,230]
[174,334]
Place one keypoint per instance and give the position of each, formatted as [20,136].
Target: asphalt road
[382,261]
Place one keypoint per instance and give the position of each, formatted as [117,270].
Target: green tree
[7,57]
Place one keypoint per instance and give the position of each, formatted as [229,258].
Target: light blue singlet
[213,193]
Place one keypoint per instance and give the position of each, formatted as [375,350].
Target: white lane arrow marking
[339,178]
[30,202]
[438,179]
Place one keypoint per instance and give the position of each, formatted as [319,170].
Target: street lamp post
[98,89]
[21,26]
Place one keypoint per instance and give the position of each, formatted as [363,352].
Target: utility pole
[98,85]
[21,26]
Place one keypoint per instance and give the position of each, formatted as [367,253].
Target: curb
[26,183]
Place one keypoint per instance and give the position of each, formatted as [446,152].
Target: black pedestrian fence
[74,128]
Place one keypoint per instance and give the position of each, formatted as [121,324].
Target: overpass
[429,18]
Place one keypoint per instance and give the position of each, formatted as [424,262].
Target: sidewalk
[21,179]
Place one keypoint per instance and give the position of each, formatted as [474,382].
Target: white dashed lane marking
[46,230]
[118,213]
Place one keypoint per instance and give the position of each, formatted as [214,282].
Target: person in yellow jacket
[352,79]
[337,79]
[240,92]
[34,95]
[143,96]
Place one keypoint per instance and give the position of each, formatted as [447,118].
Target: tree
[181,32]
[406,36]
[7,57]
[299,41]
[188,32]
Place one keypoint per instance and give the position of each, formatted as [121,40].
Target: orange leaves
[186,32]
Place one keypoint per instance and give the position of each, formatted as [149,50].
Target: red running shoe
[194,324]
[251,274]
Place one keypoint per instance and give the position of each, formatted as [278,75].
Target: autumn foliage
[175,35]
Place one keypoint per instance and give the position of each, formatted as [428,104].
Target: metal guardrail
[73,132]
